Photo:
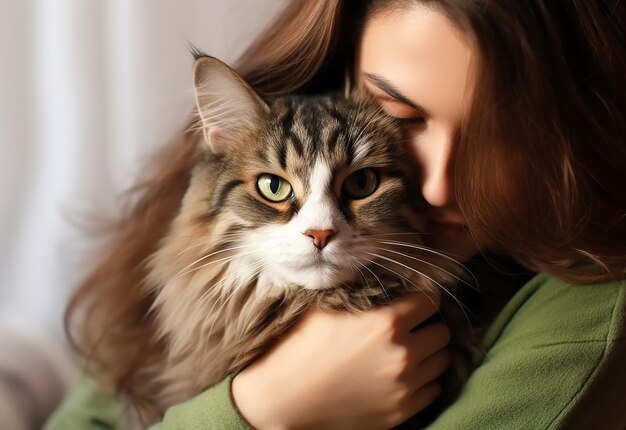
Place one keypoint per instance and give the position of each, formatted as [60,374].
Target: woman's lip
[445,228]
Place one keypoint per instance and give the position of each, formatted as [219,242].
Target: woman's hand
[343,371]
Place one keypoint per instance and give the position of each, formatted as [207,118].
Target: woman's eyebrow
[392,91]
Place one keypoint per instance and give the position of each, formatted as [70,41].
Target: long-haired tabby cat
[292,202]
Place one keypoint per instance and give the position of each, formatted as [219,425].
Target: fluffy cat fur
[236,270]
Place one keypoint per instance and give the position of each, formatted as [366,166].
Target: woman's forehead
[421,53]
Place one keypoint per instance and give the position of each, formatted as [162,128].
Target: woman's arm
[554,360]
[337,370]
[341,371]
[348,371]
[86,407]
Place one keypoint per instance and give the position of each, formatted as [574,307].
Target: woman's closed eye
[410,120]
[405,115]
[393,102]
[405,118]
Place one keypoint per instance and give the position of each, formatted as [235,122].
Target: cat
[295,202]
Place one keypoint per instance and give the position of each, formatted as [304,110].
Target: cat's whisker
[198,245]
[189,248]
[220,292]
[431,265]
[344,284]
[412,283]
[432,251]
[419,288]
[396,234]
[375,276]
[260,266]
[424,248]
[359,271]
[224,259]
[223,236]
[397,274]
[448,292]
[224,279]
[210,255]
[257,268]
[223,262]
[213,288]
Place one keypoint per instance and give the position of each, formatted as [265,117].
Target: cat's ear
[226,103]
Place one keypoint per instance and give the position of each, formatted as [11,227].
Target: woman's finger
[419,401]
[430,369]
[414,309]
[427,340]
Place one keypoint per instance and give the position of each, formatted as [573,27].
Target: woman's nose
[437,184]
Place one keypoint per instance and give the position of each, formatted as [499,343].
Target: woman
[516,116]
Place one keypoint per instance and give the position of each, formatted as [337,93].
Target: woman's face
[416,64]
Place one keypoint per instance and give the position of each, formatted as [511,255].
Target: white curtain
[88,88]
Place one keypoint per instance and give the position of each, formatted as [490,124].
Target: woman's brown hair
[541,157]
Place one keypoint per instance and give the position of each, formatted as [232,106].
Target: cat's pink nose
[320,237]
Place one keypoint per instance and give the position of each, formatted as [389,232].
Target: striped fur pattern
[237,270]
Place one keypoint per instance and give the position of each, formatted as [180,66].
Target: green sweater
[555,358]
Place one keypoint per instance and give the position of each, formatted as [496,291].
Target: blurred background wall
[88,89]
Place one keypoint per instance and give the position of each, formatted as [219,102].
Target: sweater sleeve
[212,409]
[86,407]
[553,360]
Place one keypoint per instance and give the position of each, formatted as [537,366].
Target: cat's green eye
[361,183]
[273,188]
